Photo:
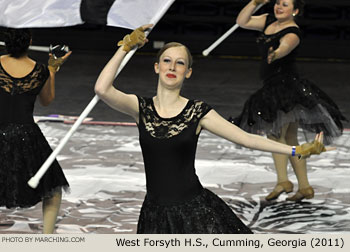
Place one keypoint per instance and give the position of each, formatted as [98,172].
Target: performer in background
[23,148]
[169,126]
[286,102]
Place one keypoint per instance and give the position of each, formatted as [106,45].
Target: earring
[294,14]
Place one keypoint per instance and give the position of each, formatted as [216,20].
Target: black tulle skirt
[204,214]
[23,149]
[287,99]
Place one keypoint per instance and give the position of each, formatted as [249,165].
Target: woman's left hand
[316,147]
[136,38]
[54,63]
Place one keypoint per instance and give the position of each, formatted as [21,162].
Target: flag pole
[33,48]
[34,181]
[226,34]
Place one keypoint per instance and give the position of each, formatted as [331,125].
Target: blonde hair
[175,44]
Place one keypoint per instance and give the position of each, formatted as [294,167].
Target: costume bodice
[169,148]
[285,65]
[18,95]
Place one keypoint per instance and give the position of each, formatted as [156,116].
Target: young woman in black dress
[169,126]
[286,102]
[23,148]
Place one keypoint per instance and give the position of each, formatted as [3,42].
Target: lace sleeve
[142,104]
[202,109]
[43,73]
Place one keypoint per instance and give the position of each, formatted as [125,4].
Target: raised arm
[118,100]
[217,125]
[47,93]
[247,21]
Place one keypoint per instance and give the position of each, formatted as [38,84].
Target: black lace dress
[176,202]
[286,98]
[23,148]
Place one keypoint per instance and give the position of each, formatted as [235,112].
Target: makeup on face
[284,7]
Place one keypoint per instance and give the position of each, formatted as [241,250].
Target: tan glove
[54,64]
[307,149]
[136,38]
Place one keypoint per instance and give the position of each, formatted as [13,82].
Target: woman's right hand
[136,38]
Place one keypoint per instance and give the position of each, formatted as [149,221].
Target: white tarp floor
[104,167]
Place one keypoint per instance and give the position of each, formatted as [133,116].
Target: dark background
[198,23]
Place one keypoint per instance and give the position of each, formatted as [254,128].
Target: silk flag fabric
[59,13]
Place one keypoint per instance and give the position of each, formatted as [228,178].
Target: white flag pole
[33,48]
[34,181]
[223,37]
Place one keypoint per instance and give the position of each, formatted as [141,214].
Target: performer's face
[173,66]
[284,9]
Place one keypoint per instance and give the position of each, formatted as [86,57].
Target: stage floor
[104,167]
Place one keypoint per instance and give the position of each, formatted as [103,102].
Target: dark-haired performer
[23,148]
[169,126]
[285,102]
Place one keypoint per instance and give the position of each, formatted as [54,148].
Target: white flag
[134,13]
[58,13]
